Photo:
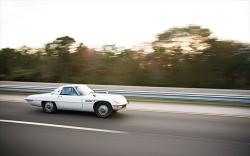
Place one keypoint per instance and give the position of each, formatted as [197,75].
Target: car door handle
[60,96]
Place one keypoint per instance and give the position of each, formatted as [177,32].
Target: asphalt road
[145,133]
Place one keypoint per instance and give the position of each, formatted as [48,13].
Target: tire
[103,110]
[49,107]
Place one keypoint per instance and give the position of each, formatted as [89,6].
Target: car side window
[68,91]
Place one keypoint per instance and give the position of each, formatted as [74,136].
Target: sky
[126,23]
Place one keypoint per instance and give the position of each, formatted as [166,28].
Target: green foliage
[182,57]
[191,39]
[24,75]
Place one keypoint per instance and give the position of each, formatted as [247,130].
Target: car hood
[36,96]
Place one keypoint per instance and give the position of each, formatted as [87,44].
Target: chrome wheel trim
[49,106]
[103,110]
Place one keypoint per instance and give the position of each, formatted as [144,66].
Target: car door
[69,99]
[88,99]
[88,102]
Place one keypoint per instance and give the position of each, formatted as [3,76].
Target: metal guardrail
[144,94]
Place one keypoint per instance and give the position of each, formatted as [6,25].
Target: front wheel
[49,107]
[103,110]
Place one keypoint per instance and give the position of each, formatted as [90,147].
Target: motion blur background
[118,47]
[143,42]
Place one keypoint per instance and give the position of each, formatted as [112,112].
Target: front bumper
[119,107]
[37,103]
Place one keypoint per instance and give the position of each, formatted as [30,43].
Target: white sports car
[78,98]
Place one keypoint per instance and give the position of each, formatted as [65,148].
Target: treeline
[180,57]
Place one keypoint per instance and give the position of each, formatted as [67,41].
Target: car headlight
[117,100]
[120,100]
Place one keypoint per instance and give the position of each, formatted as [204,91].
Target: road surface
[26,130]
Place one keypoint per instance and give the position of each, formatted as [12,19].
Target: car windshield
[84,90]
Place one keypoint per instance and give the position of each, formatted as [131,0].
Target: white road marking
[62,126]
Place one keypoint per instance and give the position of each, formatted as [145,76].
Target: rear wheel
[103,110]
[49,107]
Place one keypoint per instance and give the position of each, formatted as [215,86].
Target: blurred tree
[224,64]
[58,59]
[191,39]
[181,57]
[8,61]
[16,64]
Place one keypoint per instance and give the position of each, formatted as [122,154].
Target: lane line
[63,126]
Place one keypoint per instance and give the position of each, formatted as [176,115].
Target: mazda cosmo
[78,98]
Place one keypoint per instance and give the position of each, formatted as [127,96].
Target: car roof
[74,85]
